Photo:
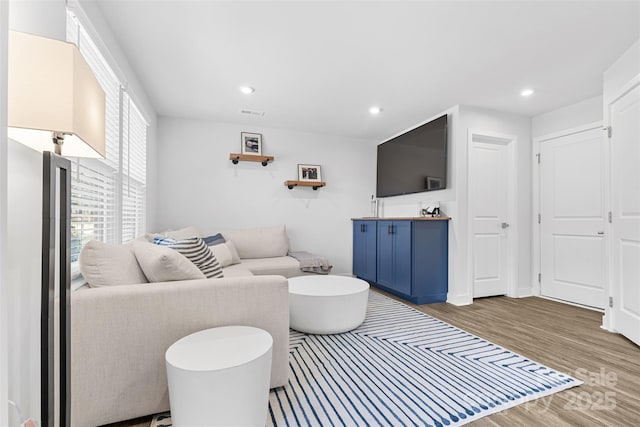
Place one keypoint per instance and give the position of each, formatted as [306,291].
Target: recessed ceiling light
[527,92]
[375,110]
[247,90]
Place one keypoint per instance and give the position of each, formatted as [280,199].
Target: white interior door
[488,186]
[625,155]
[572,208]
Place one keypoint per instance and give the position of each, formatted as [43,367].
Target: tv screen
[415,161]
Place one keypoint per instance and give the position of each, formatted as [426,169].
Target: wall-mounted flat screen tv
[415,161]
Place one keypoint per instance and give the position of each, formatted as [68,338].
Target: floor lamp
[54,99]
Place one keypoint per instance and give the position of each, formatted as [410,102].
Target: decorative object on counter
[309,173]
[374,207]
[251,143]
[431,210]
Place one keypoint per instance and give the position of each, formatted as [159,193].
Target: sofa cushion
[197,252]
[264,242]
[232,271]
[235,258]
[223,254]
[105,264]
[163,264]
[280,266]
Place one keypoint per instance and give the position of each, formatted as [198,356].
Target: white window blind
[108,196]
[134,170]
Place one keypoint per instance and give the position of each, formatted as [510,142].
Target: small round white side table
[220,377]
[327,304]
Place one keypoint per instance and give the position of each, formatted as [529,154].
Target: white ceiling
[318,66]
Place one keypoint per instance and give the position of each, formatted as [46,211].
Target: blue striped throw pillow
[196,251]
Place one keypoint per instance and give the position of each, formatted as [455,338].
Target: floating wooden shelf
[235,158]
[313,184]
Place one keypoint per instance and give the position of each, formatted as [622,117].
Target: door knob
[504,225]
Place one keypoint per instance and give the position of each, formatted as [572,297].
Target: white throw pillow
[163,264]
[235,258]
[264,242]
[105,264]
[222,253]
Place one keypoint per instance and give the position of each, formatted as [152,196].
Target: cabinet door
[430,261]
[401,234]
[385,254]
[364,250]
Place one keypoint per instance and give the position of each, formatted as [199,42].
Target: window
[134,170]
[108,196]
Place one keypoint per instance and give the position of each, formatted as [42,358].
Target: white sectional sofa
[120,331]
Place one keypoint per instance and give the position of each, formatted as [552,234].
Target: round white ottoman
[220,377]
[327,304]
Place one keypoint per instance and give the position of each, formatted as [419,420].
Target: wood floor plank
[565,338]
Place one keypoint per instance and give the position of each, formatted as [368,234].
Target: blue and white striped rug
[402,367]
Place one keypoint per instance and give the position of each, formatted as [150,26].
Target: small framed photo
[309,173]
[251,143]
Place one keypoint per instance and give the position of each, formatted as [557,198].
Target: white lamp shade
[52,89]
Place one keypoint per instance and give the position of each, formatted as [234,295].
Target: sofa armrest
[119,336]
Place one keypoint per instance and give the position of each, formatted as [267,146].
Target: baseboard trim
[459,300]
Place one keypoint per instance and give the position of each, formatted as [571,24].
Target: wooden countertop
[416,218]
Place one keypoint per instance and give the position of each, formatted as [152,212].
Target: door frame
[511,142]
[537,235]
[613,291]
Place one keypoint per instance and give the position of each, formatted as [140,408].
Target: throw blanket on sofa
[310,263]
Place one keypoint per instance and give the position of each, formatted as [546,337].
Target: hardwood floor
[561,336]
[565,338]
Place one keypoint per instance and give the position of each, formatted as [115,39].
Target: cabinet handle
[364,228]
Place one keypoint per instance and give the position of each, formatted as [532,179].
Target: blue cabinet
[394,255]
[410,257]
[364,250]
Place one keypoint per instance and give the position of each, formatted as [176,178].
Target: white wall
[200,186]
[621,73]
[571,116]
[4,256]
[453,200]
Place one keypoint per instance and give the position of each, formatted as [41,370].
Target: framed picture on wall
[310,173]
[251,143]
